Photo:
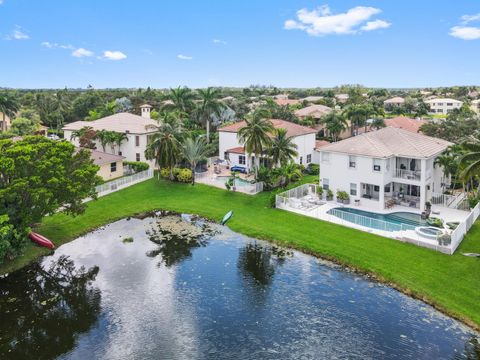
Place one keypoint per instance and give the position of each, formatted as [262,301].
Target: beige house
[389,104]
[7,124]
[313,111]
[111,166]
[475,106]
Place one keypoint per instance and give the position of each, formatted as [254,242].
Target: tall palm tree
[104,137]
[8,107]
[209,106]
[357,115]
[194,151]
[164,147]
[255,135]
[470,162]
[335,123]
[282,149]
[182,98]
[119,139]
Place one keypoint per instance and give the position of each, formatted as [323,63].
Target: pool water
[238,181]
[390,222]
[188,289]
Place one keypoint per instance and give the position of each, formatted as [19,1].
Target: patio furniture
[357,202]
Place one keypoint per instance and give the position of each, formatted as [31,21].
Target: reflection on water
[43,309]
[205,292]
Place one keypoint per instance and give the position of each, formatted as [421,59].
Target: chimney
[145,110]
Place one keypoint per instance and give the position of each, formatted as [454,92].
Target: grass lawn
[451,283]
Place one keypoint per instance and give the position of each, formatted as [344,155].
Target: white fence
[123,182]
[450,201]
[459,233]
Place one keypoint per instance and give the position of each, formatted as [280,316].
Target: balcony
[407,174]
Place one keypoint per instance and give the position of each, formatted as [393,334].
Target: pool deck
[320,211]
[211,178]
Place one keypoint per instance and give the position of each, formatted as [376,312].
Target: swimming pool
[238,181]
[396,221]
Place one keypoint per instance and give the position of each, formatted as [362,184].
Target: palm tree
[289,172]
[255,135]
[164,147]
[377,123]
[104,137]
[194,151]
[8,107]
[282,149]
[119,139]
[335,123]
[357,114]
[182,98]
[210,105]
[470,162]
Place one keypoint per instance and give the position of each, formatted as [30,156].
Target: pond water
[179,288]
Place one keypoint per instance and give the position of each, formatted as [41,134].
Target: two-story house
[383,168]
[137,129]
[231,149]
[443,106]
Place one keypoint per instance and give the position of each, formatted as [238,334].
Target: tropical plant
[8,107]
[335,123]
[289,173]
[165,147]
[194,151]
[119,138]
[210,105]
[104,137]
[282,149]
[377,123]
[255,135]
[470,162]
[86,137]
[182,99]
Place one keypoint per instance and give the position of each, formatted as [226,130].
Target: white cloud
[81,52]
[465,32]
[17,34]
[50,45]
[469,18]
[322,21]
[184,57]
[219,42]
[375,25]
[114,55]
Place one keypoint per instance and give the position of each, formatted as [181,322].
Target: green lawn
[451,283]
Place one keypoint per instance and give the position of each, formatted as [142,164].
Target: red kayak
[41,240]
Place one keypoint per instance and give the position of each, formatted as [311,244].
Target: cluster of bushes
[179,174]
[313,169]
[281,176]
[12,241]
[136,166]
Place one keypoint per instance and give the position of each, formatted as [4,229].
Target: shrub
[444,239]
[435,221]
[342,195]
[136,166]
[11,240]
[319,190]
[329,193]
[165,173]
[184,175]
[313,169]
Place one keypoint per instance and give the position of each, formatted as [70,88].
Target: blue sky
[297,43]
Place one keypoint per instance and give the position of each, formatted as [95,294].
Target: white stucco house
[443,106]
[396,101]
[233,151]
[383,168]
[137,128]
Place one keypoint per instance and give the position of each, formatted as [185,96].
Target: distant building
[443,106]
[405,123]
[8,122]
[313,111]
[312,99]
[111,165]
[137,128]
[475,106]
[342,98]
[393,102]
[283,102]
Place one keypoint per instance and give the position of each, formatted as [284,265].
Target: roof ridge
[375,143]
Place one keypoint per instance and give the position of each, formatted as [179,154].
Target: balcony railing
[407,174]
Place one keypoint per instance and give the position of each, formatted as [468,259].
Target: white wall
[226,140]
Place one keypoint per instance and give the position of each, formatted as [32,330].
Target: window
[376,164]
[353,189]
[325,157]
[226,155]
[352,161]
[449,104]
[120,153]
[137,140]
[137,157]
[325,184]
[386,188]
[376,188]
[241,159]
[113,167]
[309,158]
[301,160]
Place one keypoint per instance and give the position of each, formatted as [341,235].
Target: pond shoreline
[369,275]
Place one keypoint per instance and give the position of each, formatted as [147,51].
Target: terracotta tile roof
[237,150]
[283,102]
[321,143]
[121,122]
[100,158]
[388,142]
[405,123]
[292,129]
[315,111]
